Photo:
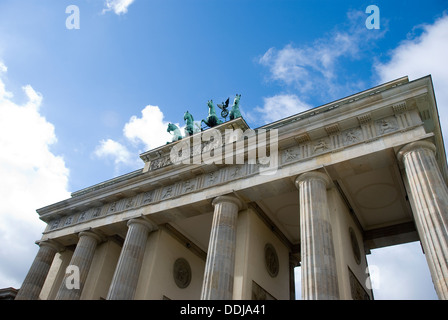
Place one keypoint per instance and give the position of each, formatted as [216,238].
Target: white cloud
[31,177]
[111,148]
[281,106]
[3,68]
[317,68]
[420,56]
[150,129]
[3,93]
[117,6]
[400,272]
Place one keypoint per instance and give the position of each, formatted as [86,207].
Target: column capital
[92,234]
[149,225]
[230,199]
[310,176]
[52,244]
[422,144]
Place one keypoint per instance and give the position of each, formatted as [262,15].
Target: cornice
[369,93]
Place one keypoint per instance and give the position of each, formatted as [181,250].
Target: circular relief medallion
[355,246]
[271,260]
[182,273]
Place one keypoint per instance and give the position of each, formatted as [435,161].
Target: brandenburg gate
[218,216]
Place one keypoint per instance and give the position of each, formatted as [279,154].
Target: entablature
[360,120]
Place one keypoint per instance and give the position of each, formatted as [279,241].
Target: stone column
[125,280]
[430,196]
[319,277]
[82,259]
[220,263]
[35,279]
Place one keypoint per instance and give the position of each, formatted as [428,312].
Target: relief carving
[55,224]
[167,192]
[258,293]
[68,221]
[353,136]
[387,125]
[160,163]
[113,207]
[212,176]
[129,203]
[82,216]
[96,212]
[188,186]
[321,145]
[182,273]
[147,197]
[235,172]
[271,260]
[356,288]
[290,154]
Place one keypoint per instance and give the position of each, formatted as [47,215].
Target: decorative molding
[364,119]
[332,129]
[303,138]
[339,103]
[368,130]
[400,107]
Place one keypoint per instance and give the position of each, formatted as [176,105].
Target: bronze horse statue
[212,119]
[189,121]
[177,135]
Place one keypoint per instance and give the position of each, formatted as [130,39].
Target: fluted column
[319,277]
[220,263]
[82,258]
[125,280]
[35,279]
[430,196]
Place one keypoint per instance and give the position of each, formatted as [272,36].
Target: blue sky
[79,105]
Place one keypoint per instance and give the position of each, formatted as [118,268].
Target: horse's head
[210,103]
[171,127]
[237,98]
